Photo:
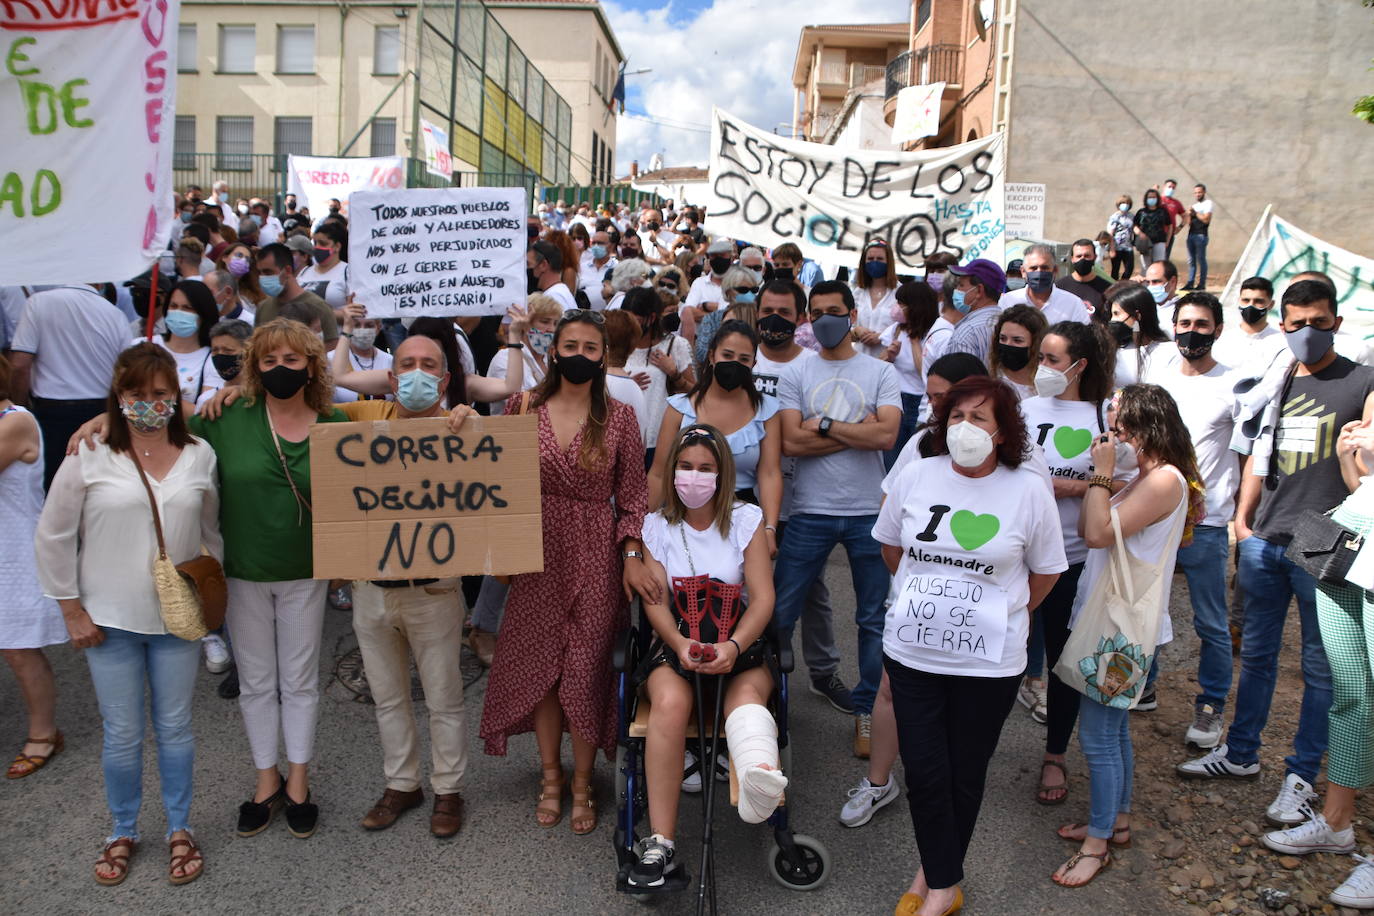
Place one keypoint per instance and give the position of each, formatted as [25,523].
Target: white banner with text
[317,179]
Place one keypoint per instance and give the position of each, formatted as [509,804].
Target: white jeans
[276,628]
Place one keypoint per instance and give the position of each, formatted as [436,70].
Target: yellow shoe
[908,905]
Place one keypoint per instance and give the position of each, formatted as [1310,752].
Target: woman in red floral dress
[553,653]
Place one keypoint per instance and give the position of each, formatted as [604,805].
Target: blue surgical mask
[960,305]
[599,252]
[876,270]
[182,324]
[257,220]
[1159,293]
[185,216]
[745,298]
[271,285]
[417,390]
[1123,207]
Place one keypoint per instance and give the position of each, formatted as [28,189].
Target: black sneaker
[655,863]
[1148,702]
[255,816]
[301,819]
[229,687]
[834,690]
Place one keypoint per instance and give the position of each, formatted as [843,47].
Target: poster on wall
[1025,202]
[767,190]
[918,112]
[86,103]
[438,160]
[315,180]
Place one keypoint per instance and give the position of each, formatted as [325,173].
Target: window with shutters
[383,137]
[233,143]
[184,143]
[296,49]
[237,49]
[386,50]
[186,48]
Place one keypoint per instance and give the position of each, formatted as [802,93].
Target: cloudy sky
[736,54]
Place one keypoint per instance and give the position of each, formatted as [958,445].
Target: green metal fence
[598,194]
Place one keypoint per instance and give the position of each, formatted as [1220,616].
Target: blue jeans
[122,667]
[1270,582]
[1197,259]
[1204,564]
[911,418]
[801,560]
[1105,733]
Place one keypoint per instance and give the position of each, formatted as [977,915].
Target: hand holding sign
[950,615]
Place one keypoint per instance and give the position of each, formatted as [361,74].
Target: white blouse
[96,541]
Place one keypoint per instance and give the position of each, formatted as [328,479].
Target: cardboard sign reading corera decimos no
[408,499]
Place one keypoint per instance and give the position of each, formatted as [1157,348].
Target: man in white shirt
[592,270]
[269,227]
[545,264]
[64,352]
[1161,279]
[1040,291]
[705,293]
[656,241]
[1252,350]
[220,201]
[1199,220]
[1203,390]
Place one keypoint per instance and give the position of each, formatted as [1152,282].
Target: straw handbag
[193,595]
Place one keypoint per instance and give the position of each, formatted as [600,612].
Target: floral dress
[561,624]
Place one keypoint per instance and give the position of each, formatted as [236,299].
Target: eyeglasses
[670,287]
[582,315]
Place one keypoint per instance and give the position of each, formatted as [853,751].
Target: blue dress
[745,442]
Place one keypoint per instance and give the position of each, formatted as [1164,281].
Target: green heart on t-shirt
[973,531]
[1070,442]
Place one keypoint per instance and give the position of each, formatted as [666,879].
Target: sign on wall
[86,101]
[918,112]
[408,499]
[438,251]
[1025,210]
[768,190]
[438,160]
[316,179]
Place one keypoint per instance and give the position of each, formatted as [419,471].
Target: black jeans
[57,420]
[1124,261]
[1061,700]
[947,729]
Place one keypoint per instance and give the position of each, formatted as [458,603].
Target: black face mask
[720,265]
[1122,332]
[730,375]
[1253,314]
[768,273]
[1083,266]
[577,369]
[694,272]
[532,231]
[653,225]
[628,252]
[1194,344]
[671,323]
[227,365]
[776,330]
[282,381]
[782,273]
[1013,358]
[531,282]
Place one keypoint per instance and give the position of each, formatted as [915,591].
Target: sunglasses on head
[582,315]
[746,289]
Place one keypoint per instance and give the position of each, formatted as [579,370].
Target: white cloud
[735,54]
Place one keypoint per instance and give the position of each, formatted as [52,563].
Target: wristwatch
[632,555]
[824,428]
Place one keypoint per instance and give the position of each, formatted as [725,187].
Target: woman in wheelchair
[712,551]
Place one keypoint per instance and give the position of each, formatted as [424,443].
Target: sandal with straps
[1104,859]
[550,791]
[1116,831]
[582,801]
[28,764]
[181,860]
[116,860]
[1062,788]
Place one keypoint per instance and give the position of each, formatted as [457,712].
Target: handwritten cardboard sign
[438,251]
[407,499]
[86,100]
[833,201]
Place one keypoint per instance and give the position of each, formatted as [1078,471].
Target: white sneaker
[691,773]
[1032,694]
[217,659]
[1313,835]
[1291,806]
[1215,765]
[1206,729]
[865,801]
[1358,889]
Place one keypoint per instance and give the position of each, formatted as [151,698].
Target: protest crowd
[1015,457]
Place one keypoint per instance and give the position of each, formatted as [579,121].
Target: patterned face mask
[149,416]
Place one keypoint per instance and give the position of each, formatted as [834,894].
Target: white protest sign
[950,615]
[316,179]
[918,112]
[438,251]
[1025,210]
[438,160]
[86,100]
[1279,251]
[768,190]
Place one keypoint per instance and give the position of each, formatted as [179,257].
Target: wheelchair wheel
[813,871]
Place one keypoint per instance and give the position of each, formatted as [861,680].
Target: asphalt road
[53,823]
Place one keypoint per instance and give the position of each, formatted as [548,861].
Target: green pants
[1345,614]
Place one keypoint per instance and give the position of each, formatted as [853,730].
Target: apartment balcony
[921,67]
[838,79]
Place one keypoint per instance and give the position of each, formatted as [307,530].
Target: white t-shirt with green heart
[1064,431]
[968,546]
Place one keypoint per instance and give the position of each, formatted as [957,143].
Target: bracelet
[1100,480]
[738,650]
[772,528]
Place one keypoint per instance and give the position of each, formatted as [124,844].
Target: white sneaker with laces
[1358,889]
[217,658]
[1313,835]
[1214,765]
[1291,805]
[865,800]
[1206,729]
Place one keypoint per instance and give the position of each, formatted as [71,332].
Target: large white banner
[86,102]
[1279,251]
[769,190]
[438,251]
[316,179]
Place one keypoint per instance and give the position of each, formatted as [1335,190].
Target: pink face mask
[897,312]
[694,488]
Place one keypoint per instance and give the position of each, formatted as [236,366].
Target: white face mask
[364,338]
[1126,457]
[969,445]
[1050,382]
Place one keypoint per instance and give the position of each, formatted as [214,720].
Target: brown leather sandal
[582,801]
[1116,831]
[1043,788]
[1104,859]
[116,859]
[180,860]
[549,812]
[28,764]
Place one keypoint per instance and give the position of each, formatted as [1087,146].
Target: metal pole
[415,103]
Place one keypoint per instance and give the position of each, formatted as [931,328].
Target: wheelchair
[795,861]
